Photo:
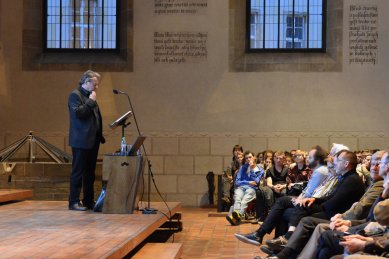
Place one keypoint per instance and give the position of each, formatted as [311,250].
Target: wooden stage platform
[47,229]
[14,194]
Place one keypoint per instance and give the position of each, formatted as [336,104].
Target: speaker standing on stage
[85,135]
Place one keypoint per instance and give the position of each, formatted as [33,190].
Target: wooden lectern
[122,174]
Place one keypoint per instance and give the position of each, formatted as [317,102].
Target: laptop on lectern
[136,145]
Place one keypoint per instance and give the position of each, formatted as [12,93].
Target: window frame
[81,50]
[248,49]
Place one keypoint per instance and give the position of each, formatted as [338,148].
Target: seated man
[247,179]
[229,175]
[274,185]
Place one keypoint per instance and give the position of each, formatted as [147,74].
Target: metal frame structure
[54,153]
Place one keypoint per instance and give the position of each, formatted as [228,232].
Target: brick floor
[213,237]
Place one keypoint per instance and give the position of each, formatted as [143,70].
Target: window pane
[84,24]
[286,24]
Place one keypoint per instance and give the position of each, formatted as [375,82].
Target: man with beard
[316,163]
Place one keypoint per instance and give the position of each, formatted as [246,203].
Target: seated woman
[298,175]
[246,183]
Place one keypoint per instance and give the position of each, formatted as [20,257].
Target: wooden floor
[211,237]
[47,229]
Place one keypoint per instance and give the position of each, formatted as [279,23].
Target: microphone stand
[148,209]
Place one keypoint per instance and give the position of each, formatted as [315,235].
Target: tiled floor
[213,237]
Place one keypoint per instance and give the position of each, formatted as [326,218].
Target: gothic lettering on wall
[162,7]
[363,34]
[180,47]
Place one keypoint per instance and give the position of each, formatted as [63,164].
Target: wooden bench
[160,251]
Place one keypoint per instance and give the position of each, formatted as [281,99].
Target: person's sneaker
[236,215]
[277,244]
[251,238]
[232,220]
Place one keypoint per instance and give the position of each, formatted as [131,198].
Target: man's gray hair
[87,77]
[338,147]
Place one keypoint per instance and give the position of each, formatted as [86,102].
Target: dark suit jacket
[85,120]
[349,190]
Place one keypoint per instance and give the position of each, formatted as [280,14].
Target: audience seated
[358,211]
[328,243]
[317,219]
[317,157]
[349,189]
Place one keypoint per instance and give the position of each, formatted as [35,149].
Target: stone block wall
[179,162]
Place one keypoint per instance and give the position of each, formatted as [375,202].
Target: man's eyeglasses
[383,162]
[341,160]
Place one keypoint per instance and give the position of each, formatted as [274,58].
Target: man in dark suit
[85,136]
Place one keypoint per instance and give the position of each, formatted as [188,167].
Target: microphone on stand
[115,91]
[147,210]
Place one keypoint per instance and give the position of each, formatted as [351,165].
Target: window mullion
[60,23]
[293,23]
[308,24]
[88,26]
[102,23]
[279,18]
[74,24]
[264,22]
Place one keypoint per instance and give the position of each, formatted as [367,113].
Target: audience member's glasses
[383,162]
[341,160]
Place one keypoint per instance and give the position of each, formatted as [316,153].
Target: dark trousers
[301,212]
[83,174]
[276,214]
[303,232]
[264,201]
[328,245]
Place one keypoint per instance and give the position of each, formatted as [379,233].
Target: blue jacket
[246,175]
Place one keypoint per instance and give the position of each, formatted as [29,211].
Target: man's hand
[307,202]
[340,225]
[253,183]
[336,216]
[354,243]
[93,95]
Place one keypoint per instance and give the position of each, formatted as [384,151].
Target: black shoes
[89,206]
[251,238]
[267,250]
[277,244]
[77,206]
